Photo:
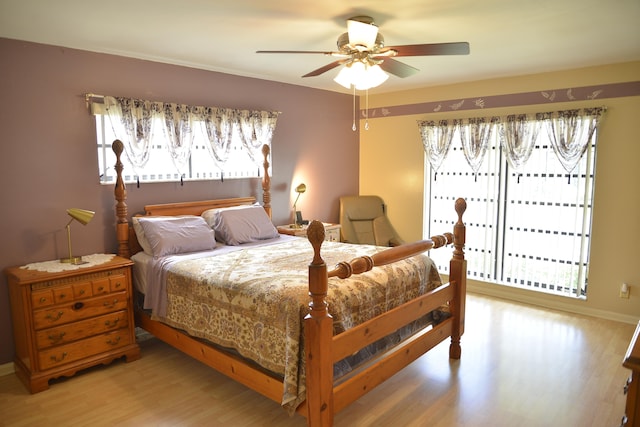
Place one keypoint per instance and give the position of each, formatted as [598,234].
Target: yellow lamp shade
[81,215]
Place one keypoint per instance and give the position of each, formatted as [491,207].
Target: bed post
[122,223]
[318,330]
[266,181]
[458,277]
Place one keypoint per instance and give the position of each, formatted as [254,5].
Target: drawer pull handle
[63,296]
[43,299]
[114,341]
[78,305]
[110,323]
[62,357]
[82,291]
[118,284]
[52,318]
[101,288]
[56,338]
[111,304]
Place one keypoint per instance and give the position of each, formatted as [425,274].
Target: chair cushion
[363,220]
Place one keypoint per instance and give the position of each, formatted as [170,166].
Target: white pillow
[242,225]
[176,235]
[210,214]
[142,239]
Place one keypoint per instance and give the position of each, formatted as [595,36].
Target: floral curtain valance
[179,122]
[569,132]
[436,140]
[474,135]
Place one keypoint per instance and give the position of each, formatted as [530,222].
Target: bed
[271,314]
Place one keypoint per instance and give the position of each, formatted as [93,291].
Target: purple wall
[49,161]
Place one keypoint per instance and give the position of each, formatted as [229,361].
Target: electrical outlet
[625,290]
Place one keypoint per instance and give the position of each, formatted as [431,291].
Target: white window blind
[528,228]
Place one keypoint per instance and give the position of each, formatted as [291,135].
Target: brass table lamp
[299,189]
[83,217]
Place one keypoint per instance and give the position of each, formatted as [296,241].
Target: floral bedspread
[254,300]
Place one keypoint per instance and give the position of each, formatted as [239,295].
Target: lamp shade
[362,76]
[361,33]
[372,77]
[83,216]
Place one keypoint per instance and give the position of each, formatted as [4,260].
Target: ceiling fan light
[344,77]
[361,75]
[361,34]
[372,76]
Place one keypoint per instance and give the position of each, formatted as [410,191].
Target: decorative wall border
[585,93]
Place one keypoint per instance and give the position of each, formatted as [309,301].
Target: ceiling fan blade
[458,48]
[295,51]
[397,68]
[326,68]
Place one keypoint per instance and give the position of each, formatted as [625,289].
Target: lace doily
[57,266]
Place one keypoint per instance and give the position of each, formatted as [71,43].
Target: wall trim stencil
[584,93]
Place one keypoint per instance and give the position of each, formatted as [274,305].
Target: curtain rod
[89,96]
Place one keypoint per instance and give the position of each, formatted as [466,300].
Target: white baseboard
[6,369]
[546,301]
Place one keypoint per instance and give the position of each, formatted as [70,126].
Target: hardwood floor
[521,366]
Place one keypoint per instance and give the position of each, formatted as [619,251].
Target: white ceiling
[506,37]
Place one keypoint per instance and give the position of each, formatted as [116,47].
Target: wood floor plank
[521,366]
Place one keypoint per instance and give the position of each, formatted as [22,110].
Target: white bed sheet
[144,264]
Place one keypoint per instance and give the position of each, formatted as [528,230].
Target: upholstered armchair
[363,220]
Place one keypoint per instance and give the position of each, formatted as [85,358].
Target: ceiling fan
[363,45]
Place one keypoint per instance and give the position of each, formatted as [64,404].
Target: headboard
[127,240]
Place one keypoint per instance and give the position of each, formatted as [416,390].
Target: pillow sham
[176,235]
[142,239]
[237,225]
[210,214]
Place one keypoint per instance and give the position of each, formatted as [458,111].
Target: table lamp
[83,217]
[299,189]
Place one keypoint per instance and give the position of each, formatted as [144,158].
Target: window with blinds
[161,168]
[528,229]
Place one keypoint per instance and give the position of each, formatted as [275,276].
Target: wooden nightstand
[331,231]
[67,321]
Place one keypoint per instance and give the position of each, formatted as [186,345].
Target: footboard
[324,397]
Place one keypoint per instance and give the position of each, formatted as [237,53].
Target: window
[528,227]
[160,167]
[169,142]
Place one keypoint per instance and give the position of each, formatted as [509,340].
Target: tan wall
[392,166]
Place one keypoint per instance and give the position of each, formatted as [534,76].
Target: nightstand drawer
[42,298]
[62,294]
[78,310]
[82,290]
[78,330]
[100,286]
[68,353]
[117,283]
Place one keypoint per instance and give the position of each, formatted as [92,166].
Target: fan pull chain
[366,110]
[353,127]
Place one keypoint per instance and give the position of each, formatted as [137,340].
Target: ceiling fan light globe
[344,77]
[372,76]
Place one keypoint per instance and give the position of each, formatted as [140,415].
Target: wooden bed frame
[324,397]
